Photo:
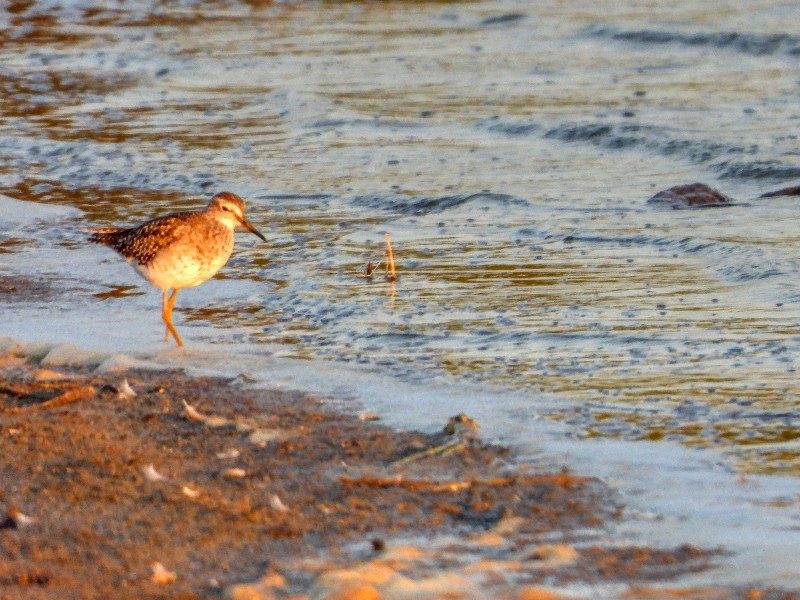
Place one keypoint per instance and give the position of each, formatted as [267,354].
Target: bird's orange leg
[166,314]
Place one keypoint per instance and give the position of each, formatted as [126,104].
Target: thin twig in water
[392,275]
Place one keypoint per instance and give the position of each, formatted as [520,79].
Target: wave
[759,169]
[747,43]
[732,262]
[424,205]
[659,140]
[621,137]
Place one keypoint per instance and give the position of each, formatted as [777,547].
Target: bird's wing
[144,242]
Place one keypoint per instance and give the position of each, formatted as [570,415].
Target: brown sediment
[198,487]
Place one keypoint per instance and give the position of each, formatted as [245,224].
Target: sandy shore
[153,484]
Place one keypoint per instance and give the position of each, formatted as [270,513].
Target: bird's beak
[247,225]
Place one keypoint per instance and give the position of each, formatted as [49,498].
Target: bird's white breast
[190,260]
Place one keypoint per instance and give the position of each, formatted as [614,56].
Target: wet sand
[199,488]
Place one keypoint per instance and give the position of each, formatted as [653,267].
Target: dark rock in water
[790,191]
[699,195]
[690,196]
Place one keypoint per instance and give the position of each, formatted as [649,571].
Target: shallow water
[509,149]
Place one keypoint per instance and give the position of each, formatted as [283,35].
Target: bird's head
[230,209]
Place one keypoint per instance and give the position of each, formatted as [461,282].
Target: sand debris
[372,573]
[359,592]
[441,585]
[553,556]
[75,394]
[376,580]
[407,571]
[49,375]
[508,525]
[440,450]
[410,484]
[230,453]
[646,592]
[498,535]
[461,427]
[259,590]
[562,480]
[260,436]
[541,593]
[493,566]
[160,575]
[39,394]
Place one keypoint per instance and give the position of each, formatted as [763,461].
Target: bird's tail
[107,236]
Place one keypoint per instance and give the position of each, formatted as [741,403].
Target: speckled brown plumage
[182,249]
[143,243]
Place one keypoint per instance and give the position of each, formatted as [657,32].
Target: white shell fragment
[229,453]
[151,474]
[234,472]
[191,413]
[277,504]
[190,492]
[126,392]
[16,518]
[21,519]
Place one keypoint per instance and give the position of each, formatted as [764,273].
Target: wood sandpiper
[180,250]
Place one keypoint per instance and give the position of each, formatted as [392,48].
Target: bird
[180,250]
